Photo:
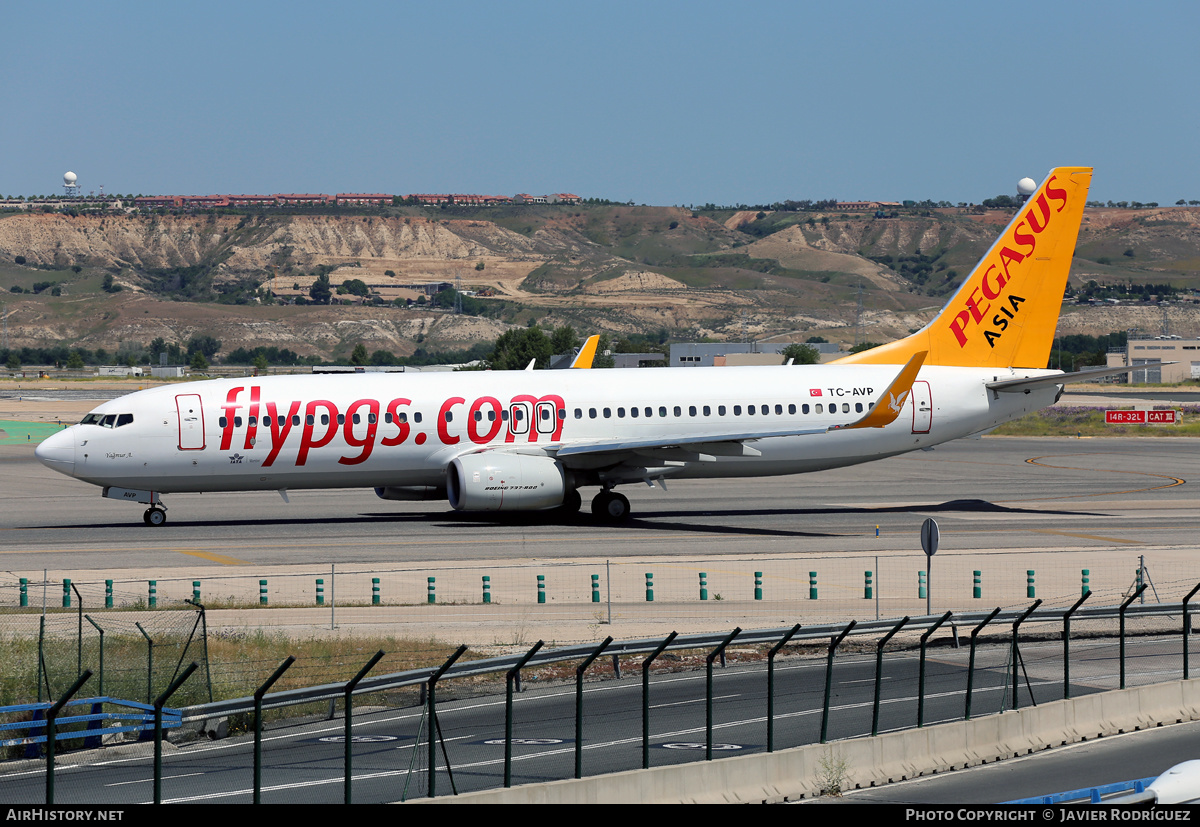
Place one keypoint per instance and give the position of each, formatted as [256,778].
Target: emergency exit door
[191,422]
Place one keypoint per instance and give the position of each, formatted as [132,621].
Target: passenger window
[478,416]
[608,413]
[720,410]
[633,412]
[417,417]
[791,409]
[402,417]
[491,415]
[341,419]
[678,411]
[591,413]
[324,419]
[372,419]
[620,413]
[223,422]
[253,422]
[858,407]
[818,408]
[308,419]
[579,413]
[387,417]
[296,420]
[737,410]
[357,418]
[663,411]
[504,415]
[649,412]
[845,407]
[750,410]
[562,413]
[544,414]
[691,410]
[804,407]
[779,410]
[237,422]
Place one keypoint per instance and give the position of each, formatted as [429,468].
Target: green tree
[14,361]
[199,363]
[515,348]
[320,292]
[801,354]
[859,348]
[74,361]
[355,287]
[260,363]
[564,340]
[359,355]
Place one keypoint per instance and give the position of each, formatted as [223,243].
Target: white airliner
[529,440]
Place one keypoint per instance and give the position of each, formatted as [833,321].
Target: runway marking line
[1089,536]
[212,558]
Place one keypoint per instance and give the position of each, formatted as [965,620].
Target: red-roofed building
[301,199]
[345,199]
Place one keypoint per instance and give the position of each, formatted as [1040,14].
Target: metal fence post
[579,703]
[1016,651]
[1187,628]
[879,672]
[921,680]
[1067,644]
[512,675]
[708,703]
[1121,613]
[258,699]
[158,727]
[51,715]
[833,644]
[971,662]
[101,631]
[349,715]
[646,698]
[431,699]
[771,685]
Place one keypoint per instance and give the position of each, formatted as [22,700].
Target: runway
[992,494]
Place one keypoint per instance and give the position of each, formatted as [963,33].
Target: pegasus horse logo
[897,402]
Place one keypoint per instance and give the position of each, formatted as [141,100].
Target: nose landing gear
[156,515]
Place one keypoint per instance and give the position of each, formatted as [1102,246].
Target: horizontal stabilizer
[1021,384]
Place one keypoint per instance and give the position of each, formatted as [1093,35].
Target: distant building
[1184,352]
[696,355]
[361,199]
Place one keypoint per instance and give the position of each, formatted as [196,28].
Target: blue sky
[659,102]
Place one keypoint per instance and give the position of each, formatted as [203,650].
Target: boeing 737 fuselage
[526,440]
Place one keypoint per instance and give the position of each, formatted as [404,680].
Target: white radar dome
[70,178]
[1026,186]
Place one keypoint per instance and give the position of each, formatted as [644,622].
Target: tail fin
[1006,312]
[587,353]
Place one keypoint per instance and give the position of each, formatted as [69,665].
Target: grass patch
[1088,421]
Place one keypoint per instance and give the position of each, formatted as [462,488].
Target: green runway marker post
[25,592]
[1087,579]
[320,591]
[922,588]
[649,587]
[812,585]
[868,589]
[704,585]
[374,591]
[1029,589]
[977,590]
[66,593]
[541,588]
[108,594]
[196,590]
[758,585]
[487,589]
[431,597]
[595,588]
[262,592]
[153,593]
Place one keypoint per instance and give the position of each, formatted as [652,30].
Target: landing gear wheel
[571,504]
[611,507]
[154,516]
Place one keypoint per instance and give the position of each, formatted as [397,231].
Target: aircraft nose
[58,452]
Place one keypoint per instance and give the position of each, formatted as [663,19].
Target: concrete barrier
[803,772]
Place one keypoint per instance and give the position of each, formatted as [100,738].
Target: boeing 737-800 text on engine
[529,440]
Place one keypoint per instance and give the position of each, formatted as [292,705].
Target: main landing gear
[155,515]
[611,506]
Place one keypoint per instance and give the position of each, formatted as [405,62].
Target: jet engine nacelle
[411,492]
[511,482]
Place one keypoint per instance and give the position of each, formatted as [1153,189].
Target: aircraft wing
[707,446]
[1021,384]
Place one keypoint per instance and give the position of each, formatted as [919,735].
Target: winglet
[587,353]
[891,401]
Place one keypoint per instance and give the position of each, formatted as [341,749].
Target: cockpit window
[109,420]
[124,419]
[91,419]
